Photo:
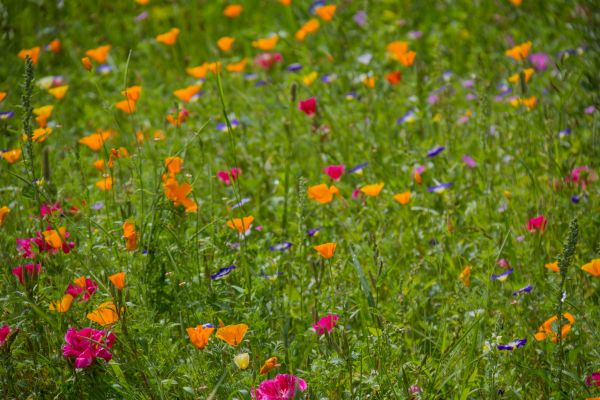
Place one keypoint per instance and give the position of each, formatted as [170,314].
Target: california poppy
[465,276]
[118,280]
[188,93]
[546,330]
[178,193]
[372,190]
[519,52]
[105,183]
[200,334]
[326,250]
[402,198]
[3,213]
[237,66]
[593,267]
[241,224]
[326,13]
[99,54]
[527,73]
[232,334]
[42,114]
[266,44]
[59,92]
[321,193]
[312,25]
[11,156]
[394,77]
[54,46]
[55,238]
[106,314]
[87,64]
[63,305]
[269,364]
[173,165]
[130,235]
[33,53]
[95,140]
[169,38]
[198,72]
[553,266]
[225,43]
[233,10]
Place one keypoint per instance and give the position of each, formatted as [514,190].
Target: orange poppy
[132,93]
[232,334]
[105,183]
[3,213]
[271,363]
[322,194]
[198,72]
[39,134]
[266,44]
[233,10]
[33,53]
[326,250]
[241,224]
[178,193]
[225,43]
[11,156]
[527,73]
[105,315]
[59,92]
[99,54]
[2,95]
[173,164]
[55,46]
[394,78]
[87,64]
[403,198]
[169,38]
[127,106]
[118,280]
[553,266]
[310,26]
[326,13]
[199,335]
[55,238]
[593,267]
[95,140]
[63,305]
[465,276]
[186,94]
[238,66]
[130,235]
[546,331]
[519,52]
[372,190]
[42,114]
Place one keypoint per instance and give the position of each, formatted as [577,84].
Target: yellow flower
[242,360]
[465,276]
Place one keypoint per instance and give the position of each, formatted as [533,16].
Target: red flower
[308,106]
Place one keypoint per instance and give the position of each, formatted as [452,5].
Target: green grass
[405,317]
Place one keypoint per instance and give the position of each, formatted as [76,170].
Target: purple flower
[469,83]
[282,387]
[316,4]
[469,162]
[142,16]
[328,78]
[294,67]
[525,289]
[221,126]
[435,151]
[415,34]
[313,231]
[104,69]
[433,99]
[358,168]
[564,132]
[539,61]
[470,96]
[351,96]
[515,344]
[98,205]
[251,76]
[281,246]
[360,18]
[7,114]
[271,276]
[502,277]
[245,200]
[223,272]
[409,116]
[439,188]
[590,110]
[575,199]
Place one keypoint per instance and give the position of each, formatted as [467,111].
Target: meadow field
[285,199]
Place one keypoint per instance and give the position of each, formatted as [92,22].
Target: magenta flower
[282,387]
[88,344]
[537,224]
[582,176]
[228,177]
[32,270]
[540,61]
[4,332]
[503,263]
[469,162]
[25,249]
[326,324]
[267,60]
[592,380]
[335,172]
[88,289]
[308,106]
[49,209]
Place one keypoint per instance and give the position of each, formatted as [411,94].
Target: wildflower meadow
[286,199]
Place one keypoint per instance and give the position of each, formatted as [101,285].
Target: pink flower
[228,177]
[88,344]
[327,323]
[24,245]
[49,209]
[89,289]
[4,332]
[282,387]
[592,380]
[267,60]
[32,270]
[582,175]
[308,106]
[335,172]
[537,224]
[503,263]
[469,162]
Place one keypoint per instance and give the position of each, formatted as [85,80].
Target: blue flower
[435,151]
[223,272]
[515,344]
[439,188]
[316,4]
[221,126]
[243,201]
[104,69]
[502,277]
[281,246]
[208,325]
[7,114]
[271,276]
[526,289]
[313,231]
[575,199]
[564,132]
[357,168]
[295,67]
[408,117]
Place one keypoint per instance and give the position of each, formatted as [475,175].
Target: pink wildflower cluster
[88,344]
[282,387]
